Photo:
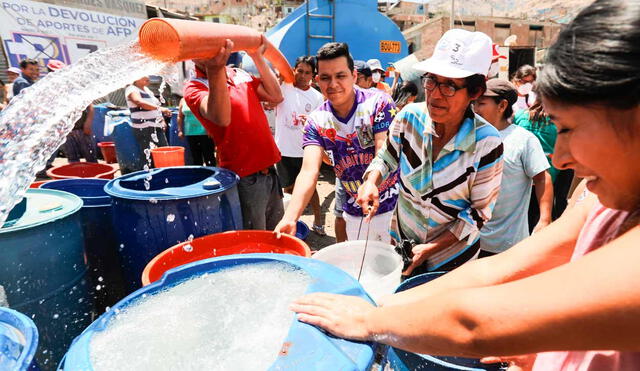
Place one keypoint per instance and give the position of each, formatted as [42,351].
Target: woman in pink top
[568,296]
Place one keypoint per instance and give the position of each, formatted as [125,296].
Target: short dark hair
[476,83]
[524,71]
[308,59]
[334,50]
[25,62]
[595,58]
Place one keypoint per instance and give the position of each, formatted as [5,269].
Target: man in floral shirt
[349,127]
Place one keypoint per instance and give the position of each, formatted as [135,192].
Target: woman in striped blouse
[146,116]
[449,158]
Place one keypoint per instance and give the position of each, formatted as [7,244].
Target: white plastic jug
[381,270]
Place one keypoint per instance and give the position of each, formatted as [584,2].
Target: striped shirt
[457,192]
[142,118]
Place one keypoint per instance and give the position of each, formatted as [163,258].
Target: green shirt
[546,133]
[191,124]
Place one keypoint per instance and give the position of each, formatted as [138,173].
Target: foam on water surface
[37,121]
[234,319]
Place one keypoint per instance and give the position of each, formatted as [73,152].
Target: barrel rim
[115,190]
[89,201]
[78,203]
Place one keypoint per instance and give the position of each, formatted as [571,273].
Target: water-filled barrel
[154,210]
[304,347]
[128,151]
[44,270]
[100,241]
[82,170]
[381,268]
[221,244]
[18,341]
[401,360]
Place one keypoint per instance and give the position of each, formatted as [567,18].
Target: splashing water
[234,319]
[37,121]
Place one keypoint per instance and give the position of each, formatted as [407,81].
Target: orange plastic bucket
[168,156]
[82,170]
[108,150]
[220,244]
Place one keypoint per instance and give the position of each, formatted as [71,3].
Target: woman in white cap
[567,295]
[449,159]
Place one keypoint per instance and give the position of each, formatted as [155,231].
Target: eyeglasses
[446,89]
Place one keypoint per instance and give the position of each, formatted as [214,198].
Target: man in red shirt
[227,103]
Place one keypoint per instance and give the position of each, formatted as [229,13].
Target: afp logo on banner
[39,47]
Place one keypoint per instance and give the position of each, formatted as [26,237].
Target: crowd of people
[472,181]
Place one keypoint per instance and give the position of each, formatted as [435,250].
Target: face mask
[525,89]
[375,77]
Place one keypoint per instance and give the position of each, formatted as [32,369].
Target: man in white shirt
[291,115]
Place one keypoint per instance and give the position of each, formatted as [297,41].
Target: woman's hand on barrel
[368,198]
[420,254]
[285,226]
[341,315]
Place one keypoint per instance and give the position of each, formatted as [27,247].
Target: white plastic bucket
[286,198]
[382,269]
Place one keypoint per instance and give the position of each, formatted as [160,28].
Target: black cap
[362,67]
[503,89]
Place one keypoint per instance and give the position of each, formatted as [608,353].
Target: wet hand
[420,254]
[219,60]
[341,315]
[286,227]
[368,199]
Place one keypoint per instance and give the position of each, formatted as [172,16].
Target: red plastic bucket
[168,156]
[108,150]
[220,244]
[82,170]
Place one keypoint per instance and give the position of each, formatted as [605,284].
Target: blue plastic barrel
[97,125]
[309,348]
[155,210]
[100,241]
[44,270]
[128,151]
[18,341]
[175,140]
[401,360]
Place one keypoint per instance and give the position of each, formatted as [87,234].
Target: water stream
[37,121]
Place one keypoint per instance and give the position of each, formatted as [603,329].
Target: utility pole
[452,14]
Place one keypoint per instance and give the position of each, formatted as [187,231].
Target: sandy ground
[326,191]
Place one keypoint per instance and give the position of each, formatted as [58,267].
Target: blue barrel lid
[18,340]
[90,190]
[45,206]
[172,183]
[309,348]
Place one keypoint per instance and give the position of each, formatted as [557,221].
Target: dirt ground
[326,190]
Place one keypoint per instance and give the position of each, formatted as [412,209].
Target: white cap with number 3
[459,53]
